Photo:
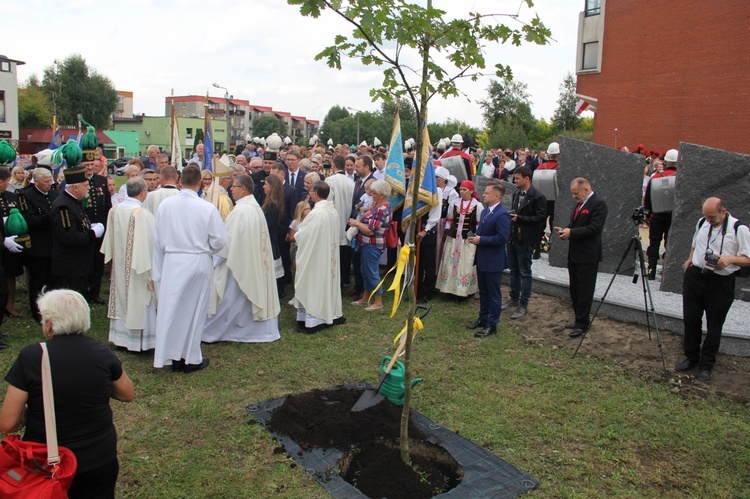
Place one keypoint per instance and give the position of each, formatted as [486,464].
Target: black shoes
[510,303]
[339,320]
[576,332]
[96,300]
[191,368]
[572,325]
[686,365]
[487,331]
[704,375]
[473,325]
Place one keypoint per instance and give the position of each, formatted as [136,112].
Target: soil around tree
[369,441]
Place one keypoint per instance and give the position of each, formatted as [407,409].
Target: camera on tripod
[640,215]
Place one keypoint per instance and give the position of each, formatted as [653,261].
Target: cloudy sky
[261,51]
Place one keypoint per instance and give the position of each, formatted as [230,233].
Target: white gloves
[12,245]
[98,229]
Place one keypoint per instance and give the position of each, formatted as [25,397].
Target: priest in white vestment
[129,243]
[317,286]
[189,231]
[244,277]
[168,188]
[342,191]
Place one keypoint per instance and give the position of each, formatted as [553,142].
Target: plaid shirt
[378,219]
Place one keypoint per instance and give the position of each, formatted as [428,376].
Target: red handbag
[32,469]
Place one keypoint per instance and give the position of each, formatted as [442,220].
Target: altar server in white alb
[244,277]
[317,282]
[129,245]
[189,231]
[168,188]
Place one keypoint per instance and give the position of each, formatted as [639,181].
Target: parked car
[113,165]
[121,170]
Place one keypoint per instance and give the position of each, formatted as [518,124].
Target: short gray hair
[135,186]
[66,309]
[381,187]
[40,173]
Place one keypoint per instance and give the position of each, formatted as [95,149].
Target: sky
[263,51]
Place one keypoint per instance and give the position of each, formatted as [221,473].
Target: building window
[590,56]
[5,66]
[593,7]
[189,133]
[2,106]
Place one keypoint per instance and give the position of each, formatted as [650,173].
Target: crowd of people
[206,253]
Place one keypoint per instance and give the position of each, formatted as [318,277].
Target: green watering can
[394,386]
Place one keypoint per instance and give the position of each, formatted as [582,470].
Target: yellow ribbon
[403,258]
[418,326]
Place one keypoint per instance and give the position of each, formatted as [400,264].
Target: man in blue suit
[492,235]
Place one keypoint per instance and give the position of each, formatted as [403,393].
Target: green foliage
[199,137]
[565,117]
[451,127]
[72,89]
[587,124]
[266,124]
[34,109]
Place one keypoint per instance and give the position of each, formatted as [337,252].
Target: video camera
[640,215]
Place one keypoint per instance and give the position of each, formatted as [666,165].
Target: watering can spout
[416,381]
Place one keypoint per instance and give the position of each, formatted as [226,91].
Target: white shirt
[721,244]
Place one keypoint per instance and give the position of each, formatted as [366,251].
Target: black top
[83,370]
[36,208]
[99,200]
[73,240]
[470,220]
[273,220]
[532,216]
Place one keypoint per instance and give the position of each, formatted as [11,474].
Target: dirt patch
[369,439]
[629,346]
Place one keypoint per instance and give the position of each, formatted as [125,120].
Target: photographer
[720,246]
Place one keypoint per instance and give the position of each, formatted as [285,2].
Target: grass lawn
[585,427]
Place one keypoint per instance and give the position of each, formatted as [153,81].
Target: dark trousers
[658,229]
[582,277]
[95,278]
[79,284]
[40,275]
[710,293]
[98,483]
[345,260]
[519,262]
[427,270]
[286,260]
[356,263]
[490,297]
[3,293]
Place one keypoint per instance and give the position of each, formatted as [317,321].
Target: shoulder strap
[50,424]
[701,222]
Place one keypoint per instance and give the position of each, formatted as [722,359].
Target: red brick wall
[672,71]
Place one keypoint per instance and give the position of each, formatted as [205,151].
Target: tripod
[648,301]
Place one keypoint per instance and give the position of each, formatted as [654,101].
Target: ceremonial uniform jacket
[8,200]
[36,207]
[99,200]
[73,240]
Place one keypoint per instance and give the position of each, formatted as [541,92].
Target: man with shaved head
[721,245]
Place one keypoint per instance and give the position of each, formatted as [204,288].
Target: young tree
[565,116]
[74,89]
[393,34]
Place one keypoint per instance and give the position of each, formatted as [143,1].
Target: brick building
[661,72]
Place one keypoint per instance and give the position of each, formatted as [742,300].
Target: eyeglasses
[237,186]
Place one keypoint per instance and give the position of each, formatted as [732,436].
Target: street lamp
[226,99]
[356,111]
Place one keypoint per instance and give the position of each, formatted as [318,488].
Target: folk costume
[458,274]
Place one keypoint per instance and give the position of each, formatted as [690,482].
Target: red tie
[578,209]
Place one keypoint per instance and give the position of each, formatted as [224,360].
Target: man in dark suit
[291,198]
[585,251]
[492,235]
[35,202]
[294,176]
[528,214]
[98,204]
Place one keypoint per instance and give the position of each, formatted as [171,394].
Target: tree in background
[507,113]
[266,124]
[565,117]
[34,108]
[72,88]
[393,35]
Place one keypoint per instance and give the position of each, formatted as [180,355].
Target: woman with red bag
[85,374]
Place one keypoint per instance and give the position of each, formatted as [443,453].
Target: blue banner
[394,169]
[208,147]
